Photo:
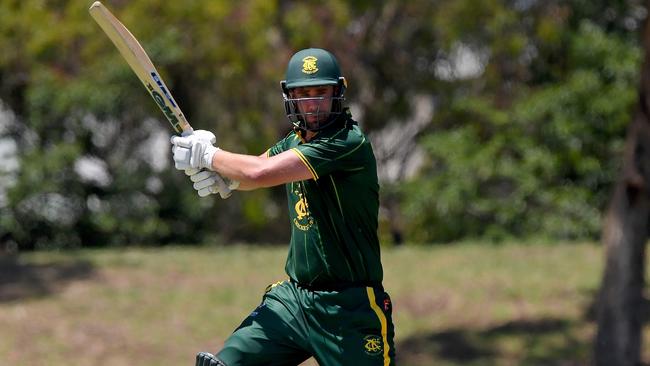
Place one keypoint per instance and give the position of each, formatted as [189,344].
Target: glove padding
[194,150]
[207,182]
[208,359]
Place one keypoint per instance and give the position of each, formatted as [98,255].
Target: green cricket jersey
[334,215]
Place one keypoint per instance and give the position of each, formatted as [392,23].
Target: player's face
[317,103]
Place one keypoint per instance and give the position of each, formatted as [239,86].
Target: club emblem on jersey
[372,345]
[309,65]
[301,209]
[303,219]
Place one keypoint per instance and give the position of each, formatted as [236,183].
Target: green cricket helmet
[313,67]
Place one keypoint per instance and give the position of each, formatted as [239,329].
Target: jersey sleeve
[275,149]
[323,157]
[281,146]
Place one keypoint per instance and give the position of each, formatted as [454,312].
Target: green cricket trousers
[351,326]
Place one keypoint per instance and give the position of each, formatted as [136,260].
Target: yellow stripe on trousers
[382,320]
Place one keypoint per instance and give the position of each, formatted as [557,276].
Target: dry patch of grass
[463,304]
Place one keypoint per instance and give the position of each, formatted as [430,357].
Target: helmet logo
[309,65]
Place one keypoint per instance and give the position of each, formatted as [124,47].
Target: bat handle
[188,130]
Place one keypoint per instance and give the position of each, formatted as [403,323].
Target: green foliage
[542,166]
[526,144]
[85,104]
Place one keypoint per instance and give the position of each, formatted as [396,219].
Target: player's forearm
[251,171]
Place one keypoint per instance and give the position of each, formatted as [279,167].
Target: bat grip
[187,131]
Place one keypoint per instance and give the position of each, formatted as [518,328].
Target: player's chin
[314,121]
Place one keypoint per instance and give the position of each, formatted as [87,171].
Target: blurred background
[499,129]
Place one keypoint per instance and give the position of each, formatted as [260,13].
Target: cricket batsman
[333,305]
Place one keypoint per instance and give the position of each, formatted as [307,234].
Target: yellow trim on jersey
[271,286]
[382,320]
[298,136]
[306,162]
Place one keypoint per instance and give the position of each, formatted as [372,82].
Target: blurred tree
[82,180]
[625,234]
[529,124]
[490,119]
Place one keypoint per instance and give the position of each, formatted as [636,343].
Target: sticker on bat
[158,81]
[165,109]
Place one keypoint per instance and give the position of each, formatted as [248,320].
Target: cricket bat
[144,69]
[141,65]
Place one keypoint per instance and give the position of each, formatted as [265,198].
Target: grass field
[466,304]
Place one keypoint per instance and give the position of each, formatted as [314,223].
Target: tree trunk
[618,339]
[625,231]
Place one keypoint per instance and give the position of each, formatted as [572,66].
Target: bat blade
[141,64]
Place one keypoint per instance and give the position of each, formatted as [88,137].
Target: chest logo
[303,219]
[309,65]
[301,209]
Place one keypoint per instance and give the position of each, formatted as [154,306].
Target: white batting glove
[194,150]
[208,182]
[202,135]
